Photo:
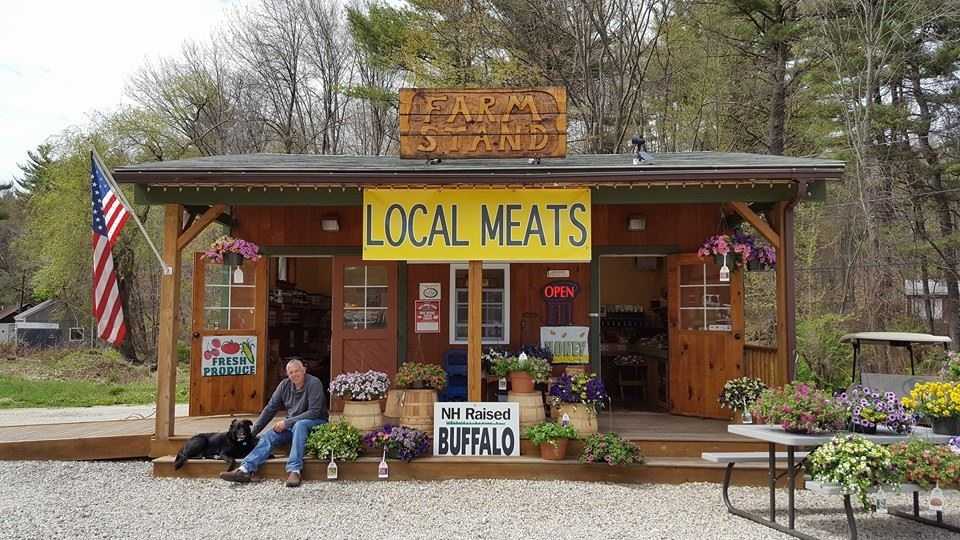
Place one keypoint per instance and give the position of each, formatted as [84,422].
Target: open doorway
[298,324]
[634,356]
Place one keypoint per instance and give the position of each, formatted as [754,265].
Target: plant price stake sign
[476,429]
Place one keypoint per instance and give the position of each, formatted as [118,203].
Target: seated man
[302,395]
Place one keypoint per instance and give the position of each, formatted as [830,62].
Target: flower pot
[949,425]
[363,415]
[756,266]
[416,409]
[521,382]
[583,418]
[418,385]
[858,428]
[554,451]
[531,408]
[233,259]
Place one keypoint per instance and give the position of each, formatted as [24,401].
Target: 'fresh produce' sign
[229,355]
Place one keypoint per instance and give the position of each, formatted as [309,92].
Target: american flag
[109,216]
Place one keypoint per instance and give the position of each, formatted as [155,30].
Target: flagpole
[167,270]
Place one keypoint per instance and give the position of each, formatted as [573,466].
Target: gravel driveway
[90,500]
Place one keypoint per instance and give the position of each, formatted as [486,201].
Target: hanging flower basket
[232,259]
[232,251]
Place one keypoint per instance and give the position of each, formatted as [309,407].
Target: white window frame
[82,334]
[506,303]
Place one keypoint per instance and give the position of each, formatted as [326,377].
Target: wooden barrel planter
[531,408]
[416,409]
[582,417]
[391,411]
[363,415]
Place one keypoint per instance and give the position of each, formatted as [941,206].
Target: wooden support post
[474,330]
[167,334]
[782,219]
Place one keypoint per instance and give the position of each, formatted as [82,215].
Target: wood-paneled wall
[685,226]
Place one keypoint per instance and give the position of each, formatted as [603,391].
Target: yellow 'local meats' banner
[476,224]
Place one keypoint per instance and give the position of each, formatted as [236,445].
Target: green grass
[78,378]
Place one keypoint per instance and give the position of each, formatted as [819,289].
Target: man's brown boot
[237,475]
[293,479]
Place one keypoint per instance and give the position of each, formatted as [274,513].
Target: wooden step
[654,471]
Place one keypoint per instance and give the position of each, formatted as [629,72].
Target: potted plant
[802,408]
[611,449]
[578,397]
[419,384]
[764,408]
[523,371]
[925,463]
[417,376]
[855,464]
[869,410]
[339,439]
[740,393]
[361,392]
[939,402]
[552,438]
[762,258]
[231,251]
[399,442]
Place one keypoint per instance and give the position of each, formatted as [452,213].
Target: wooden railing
[763,363]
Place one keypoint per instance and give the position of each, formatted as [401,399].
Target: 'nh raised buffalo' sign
[483,123]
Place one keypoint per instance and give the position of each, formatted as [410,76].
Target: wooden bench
[914,489]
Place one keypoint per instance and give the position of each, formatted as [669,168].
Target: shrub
[549,433]
[415,374]
[339,438]
[611,449]
[824,360]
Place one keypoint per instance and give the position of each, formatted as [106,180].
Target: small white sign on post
[474,429]
[224,356]
[430,291]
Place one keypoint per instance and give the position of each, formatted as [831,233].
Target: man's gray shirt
[305,404]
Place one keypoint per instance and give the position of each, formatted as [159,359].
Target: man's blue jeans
[270,439]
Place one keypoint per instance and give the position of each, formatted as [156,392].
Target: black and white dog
[229,446]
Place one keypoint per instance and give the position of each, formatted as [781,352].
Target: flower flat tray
[834,489]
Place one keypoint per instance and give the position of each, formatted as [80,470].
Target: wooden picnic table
[774,435]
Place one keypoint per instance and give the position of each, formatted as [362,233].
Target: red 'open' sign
[560,290]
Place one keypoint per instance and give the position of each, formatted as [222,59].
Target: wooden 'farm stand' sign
[483,123]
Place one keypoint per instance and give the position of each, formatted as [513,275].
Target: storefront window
[704,299]
[228,304]
[364,297]
[495,325]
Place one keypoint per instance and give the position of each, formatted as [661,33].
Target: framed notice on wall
[569,344]
[476,429]
[427,316]
[224,356]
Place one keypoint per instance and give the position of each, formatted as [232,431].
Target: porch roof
[577,169]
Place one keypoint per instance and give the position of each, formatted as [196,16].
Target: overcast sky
[61,60]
